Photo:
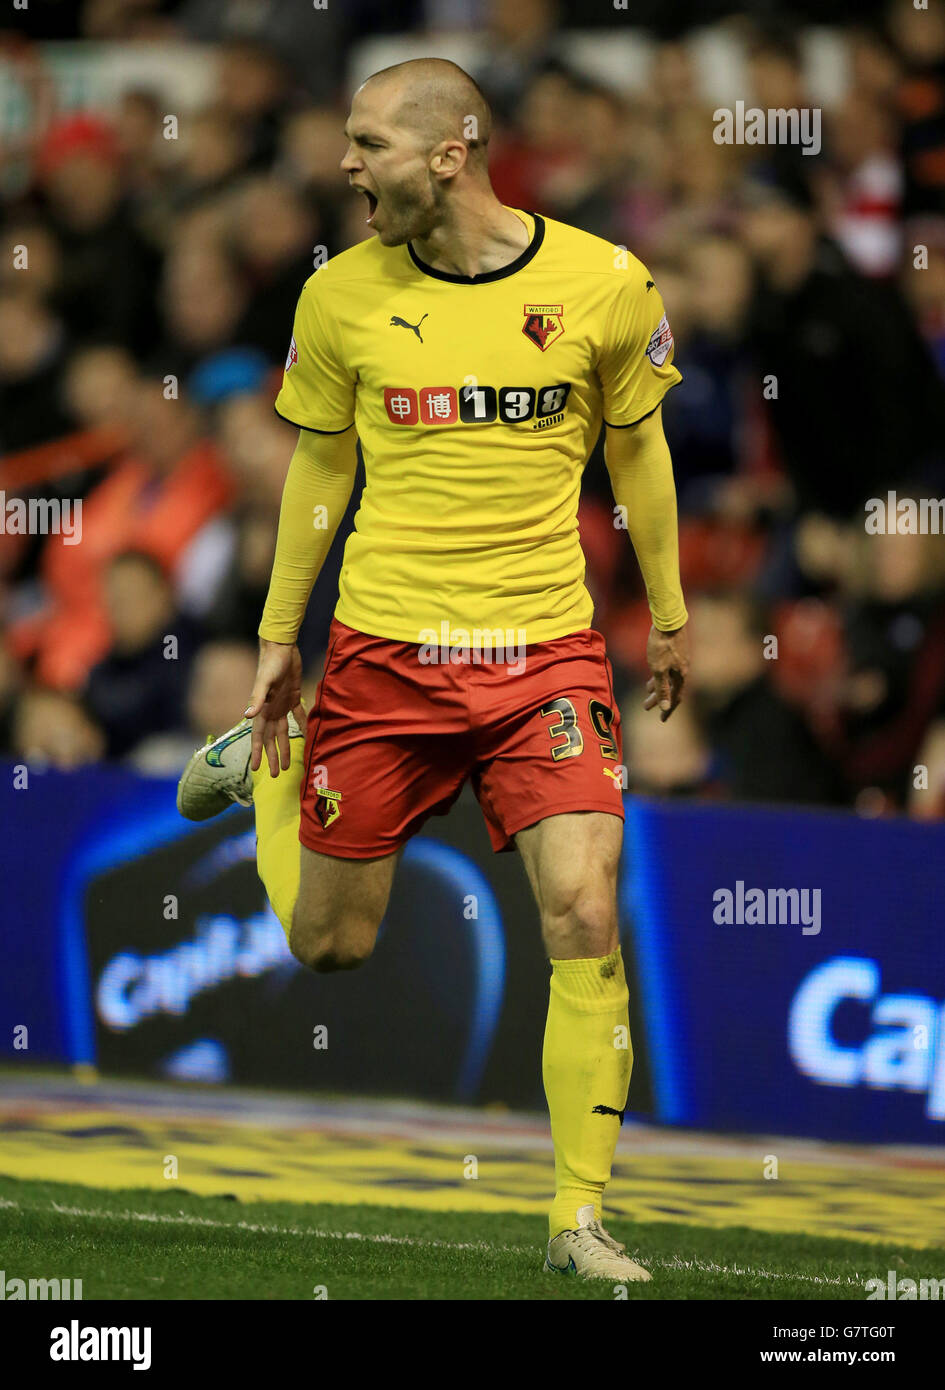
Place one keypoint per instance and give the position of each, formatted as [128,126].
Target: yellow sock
[586,1063]
[278,856]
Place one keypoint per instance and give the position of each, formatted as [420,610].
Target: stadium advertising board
[784,978]
[771,1010]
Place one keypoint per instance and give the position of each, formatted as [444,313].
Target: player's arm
[315,497]
[641,474]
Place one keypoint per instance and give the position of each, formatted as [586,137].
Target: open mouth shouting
[371,199]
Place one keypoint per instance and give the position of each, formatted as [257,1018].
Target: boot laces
[597,1230]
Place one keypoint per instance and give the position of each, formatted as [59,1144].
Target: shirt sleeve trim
[649,409]
[313,429]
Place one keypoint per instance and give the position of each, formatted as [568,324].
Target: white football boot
[591,1253]
[218,774]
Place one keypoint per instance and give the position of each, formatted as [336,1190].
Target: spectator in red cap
[107,291]
[81,134]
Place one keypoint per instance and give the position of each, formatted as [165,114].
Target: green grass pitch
[141,1244]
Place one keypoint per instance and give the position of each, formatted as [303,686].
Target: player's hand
[667,655]
[278,690]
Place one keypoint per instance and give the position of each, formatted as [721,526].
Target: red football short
[391,740]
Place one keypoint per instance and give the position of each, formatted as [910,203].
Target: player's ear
[448,158]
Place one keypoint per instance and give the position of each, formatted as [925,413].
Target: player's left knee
[329,959]
[328,952]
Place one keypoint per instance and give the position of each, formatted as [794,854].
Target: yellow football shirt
[476,401]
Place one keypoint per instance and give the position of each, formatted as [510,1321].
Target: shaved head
[417,137]
[435,100]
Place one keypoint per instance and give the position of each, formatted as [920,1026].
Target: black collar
[489,275]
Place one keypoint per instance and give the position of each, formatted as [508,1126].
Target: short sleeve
[317,389]
[635,364]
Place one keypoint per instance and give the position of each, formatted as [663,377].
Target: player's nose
[351,162]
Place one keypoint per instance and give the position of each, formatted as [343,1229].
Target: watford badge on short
[543,325]
[327,806]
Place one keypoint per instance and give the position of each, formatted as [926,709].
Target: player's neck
[476,237]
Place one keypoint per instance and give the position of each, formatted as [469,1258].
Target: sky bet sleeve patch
[661,340]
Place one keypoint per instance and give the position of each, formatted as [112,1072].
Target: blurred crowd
[142,342]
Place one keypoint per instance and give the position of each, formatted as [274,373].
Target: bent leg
[276,806]
[339,910]
[330,908]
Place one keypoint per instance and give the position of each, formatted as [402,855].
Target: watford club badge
[543,324]
[327,806]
